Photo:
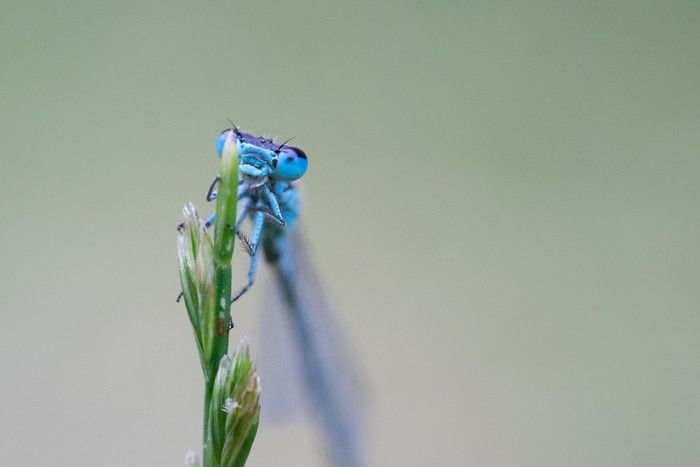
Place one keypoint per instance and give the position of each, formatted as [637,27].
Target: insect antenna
[279,148]
[234,127]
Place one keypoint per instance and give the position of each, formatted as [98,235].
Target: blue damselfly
[296,305]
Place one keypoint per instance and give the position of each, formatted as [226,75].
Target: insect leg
[243,191]
[252,269]
[240,216]
[211,194]
[269,212]
[274,204]
[253,245]
[210,220]
[257,230]
[213,190]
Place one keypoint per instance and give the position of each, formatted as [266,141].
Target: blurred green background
[502,201]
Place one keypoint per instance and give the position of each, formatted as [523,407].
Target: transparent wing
[304,359]
[279,361]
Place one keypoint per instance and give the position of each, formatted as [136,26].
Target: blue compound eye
[291,164]
[222,139]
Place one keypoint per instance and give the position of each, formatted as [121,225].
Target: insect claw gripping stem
[211,194]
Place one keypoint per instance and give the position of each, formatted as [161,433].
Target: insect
[265,193]
[269,199]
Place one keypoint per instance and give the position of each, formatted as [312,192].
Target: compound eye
[291,164]
[299,152]
[222,139]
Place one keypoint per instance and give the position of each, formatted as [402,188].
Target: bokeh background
[502,203]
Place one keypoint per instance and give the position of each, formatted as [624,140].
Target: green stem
[224,240]
[208,389]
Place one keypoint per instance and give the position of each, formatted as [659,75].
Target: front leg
[253,251]
[252,269]
[211,194]
[240,216]
[243,189]
[271,199]
[266,210]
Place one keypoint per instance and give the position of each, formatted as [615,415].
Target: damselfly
[268,198]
